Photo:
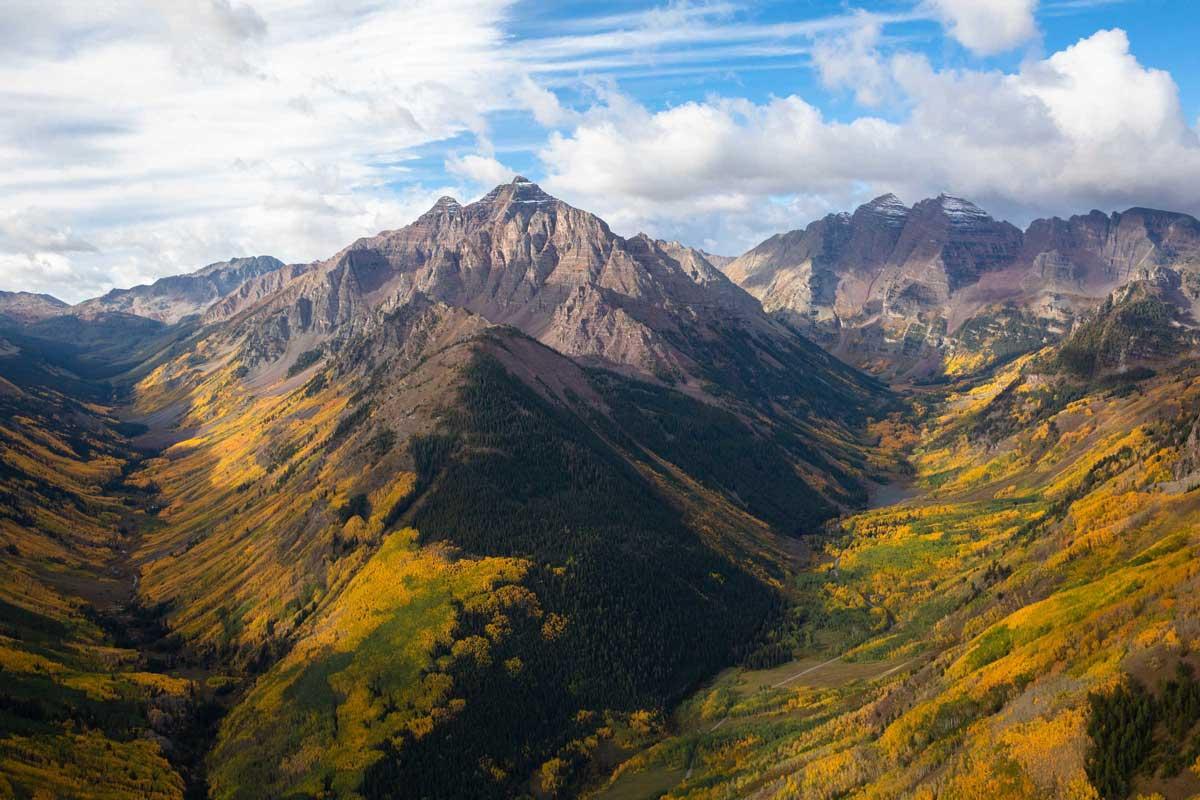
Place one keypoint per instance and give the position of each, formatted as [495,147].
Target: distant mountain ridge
[29,306]
[172,298]
[903,290]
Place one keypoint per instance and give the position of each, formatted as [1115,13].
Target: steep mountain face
[944,288]
[170,299]
[1138,324]
[1096,253]
[30,307]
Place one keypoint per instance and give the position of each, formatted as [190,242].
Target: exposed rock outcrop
[523,258]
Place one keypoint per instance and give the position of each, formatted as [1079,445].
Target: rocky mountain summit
[921,290]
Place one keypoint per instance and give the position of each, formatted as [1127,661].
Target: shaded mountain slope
[97,353]
[470,450]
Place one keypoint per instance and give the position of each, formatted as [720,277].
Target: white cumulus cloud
[171,135]
[987,27]
[480,170]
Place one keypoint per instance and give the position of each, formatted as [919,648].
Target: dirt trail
[804,672]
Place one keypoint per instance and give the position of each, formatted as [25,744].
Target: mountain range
[501,503]
[913,291]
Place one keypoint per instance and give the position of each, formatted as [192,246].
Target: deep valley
[503,504]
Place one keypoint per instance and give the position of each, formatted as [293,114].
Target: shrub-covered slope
[1023,627]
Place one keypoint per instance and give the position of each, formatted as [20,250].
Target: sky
[143,139]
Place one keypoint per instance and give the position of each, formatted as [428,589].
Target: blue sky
[145,139]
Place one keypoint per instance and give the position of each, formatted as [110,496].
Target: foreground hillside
[1024,626]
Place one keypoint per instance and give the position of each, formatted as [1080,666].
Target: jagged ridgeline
[942,290]
[442,515]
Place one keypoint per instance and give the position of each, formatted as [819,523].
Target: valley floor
[967,637]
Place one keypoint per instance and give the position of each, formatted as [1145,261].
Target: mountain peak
[957,207]
[445,205]
[520,191]
[888,200]
[265,263]
[888,206]
[171,298]
[29,306]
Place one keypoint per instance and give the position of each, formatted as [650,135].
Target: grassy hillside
[1009,632]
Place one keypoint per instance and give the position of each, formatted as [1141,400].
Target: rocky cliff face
[171,299]
[922,290]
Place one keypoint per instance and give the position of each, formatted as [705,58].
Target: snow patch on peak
[445,205]
[520,192]
[957,208]
[890,207]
